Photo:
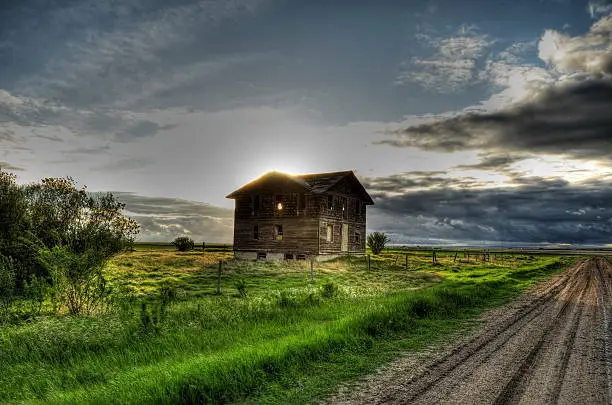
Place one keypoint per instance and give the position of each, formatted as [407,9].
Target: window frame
[278,232]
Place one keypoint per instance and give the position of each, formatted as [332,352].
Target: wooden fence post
[311,268]
[369,263]
[434,260]
[219,276]
[455,259]
[406,262]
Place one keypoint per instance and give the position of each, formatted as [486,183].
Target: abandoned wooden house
[310,216]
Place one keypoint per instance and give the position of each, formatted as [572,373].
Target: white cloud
[590,53]
[597,8]
[454,64]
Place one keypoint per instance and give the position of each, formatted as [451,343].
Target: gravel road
[552,345]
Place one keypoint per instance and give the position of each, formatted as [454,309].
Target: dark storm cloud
[416,180]
[164,218]
[144,205]
[494,162]
[567,119]
[537,210]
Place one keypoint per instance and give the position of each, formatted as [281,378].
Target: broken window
[357,237]
[261,255]
[256,232]
[330,202]
[288,256]
[278,232]
[358,207]
[330,233]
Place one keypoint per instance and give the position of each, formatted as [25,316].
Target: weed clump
[329,290]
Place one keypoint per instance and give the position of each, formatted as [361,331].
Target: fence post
[406,262]
[455,259]
[219,276]
[369,264]
[433,256]
[311,268]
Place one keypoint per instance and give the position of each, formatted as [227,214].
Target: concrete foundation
[249,255]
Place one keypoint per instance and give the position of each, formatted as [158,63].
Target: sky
[468,122]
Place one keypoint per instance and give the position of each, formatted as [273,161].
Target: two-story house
[283,216]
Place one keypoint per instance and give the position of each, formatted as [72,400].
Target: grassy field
[272,335]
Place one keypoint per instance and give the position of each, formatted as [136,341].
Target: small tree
[377,242]
[7,285]
[183,243]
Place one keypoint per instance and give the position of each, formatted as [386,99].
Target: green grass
[287,341]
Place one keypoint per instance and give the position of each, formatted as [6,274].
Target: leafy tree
[377,242]
[183,243]
[7,285]
[64,235]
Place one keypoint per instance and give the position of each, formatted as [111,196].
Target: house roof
[317,183]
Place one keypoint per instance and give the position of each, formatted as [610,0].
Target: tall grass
[221,349]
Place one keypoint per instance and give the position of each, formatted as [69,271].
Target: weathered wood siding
[335,246]
[304,217]
[300,235]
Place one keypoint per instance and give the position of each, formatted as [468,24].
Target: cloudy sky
[467,121]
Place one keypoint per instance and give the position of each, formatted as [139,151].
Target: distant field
[272,335]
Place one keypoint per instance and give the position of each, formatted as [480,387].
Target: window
[288,256]
[330,202]
[261,255]
[358,207]
[278,232]
[301,203]
[256,232]
[330,233]
[278,202]
[256,204]
[357,237]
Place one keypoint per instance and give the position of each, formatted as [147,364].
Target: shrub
[329,290]
[77,278]
[377,242]
[7,284]
[241,287]
[183,243]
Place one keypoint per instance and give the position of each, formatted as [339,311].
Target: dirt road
[553,345]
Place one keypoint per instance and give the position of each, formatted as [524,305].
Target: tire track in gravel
[552,345]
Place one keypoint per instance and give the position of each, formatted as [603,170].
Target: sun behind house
[284,216]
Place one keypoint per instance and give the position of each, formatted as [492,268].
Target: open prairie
[273,333]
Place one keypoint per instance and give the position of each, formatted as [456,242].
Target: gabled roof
[317,183]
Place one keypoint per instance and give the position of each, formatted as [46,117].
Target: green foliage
[57,233]
[7,285]
[329,290]
[183,243]
[78,280]
[241,288]
[36,291]
[377,242]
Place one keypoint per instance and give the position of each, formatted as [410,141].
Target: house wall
[335,246]
[300,235]
[304,217]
